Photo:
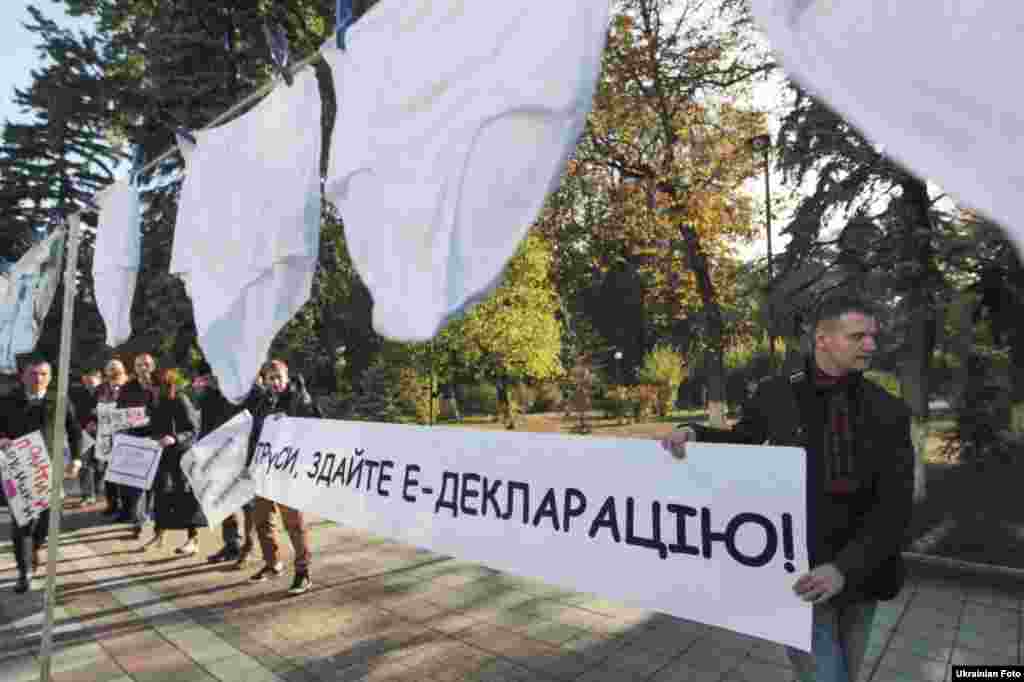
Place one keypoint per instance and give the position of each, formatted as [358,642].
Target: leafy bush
[525,397]
[643,400]
[549,397]
[617,403]
[890,382]
[414,395]
[663,367]
[479,399]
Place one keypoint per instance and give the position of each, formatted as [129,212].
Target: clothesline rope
[262,91]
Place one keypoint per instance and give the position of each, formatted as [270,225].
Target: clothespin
[184,132]
[90,204]
[280,56]
[138,161]
[342,20]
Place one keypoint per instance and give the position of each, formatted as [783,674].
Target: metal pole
[768,222]
[57,456]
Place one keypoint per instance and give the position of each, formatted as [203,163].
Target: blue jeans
[839,640]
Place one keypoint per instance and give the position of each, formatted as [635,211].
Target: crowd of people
[859,473]
[174,421]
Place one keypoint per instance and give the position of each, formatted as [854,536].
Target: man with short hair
[215,410]
[114,379]
[281,395]
[860,481]
[140,392]
[83,397]
[21,413]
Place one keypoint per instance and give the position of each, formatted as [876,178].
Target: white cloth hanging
[248,228]
[455,119]
[26,293]
[115,266]
[928,80]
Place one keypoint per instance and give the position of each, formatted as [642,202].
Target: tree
[667,143]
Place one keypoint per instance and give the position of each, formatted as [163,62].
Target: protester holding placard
[83,397]
[216,410]
[173,424]
[140,392]
[860,481]
[22,413]
[115,377]
[286,397]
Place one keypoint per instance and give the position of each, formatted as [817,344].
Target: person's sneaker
[301,584]
[267,573]
[225,554]
[23,584]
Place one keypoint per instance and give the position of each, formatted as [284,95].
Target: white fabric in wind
[115,267]
[248,228]
[928,80]
[455,118]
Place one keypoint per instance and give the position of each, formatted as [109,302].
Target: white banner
[215,468]
[111,419]
[718,538]
[134,461]
[25,470]
[26,293]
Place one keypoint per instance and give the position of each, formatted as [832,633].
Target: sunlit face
[277,379]
[114,371]
[36,378]
[144,366]
[847,344]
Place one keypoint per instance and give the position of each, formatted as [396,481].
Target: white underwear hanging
[248,228]
[455,119]
[115,267]
[928,80]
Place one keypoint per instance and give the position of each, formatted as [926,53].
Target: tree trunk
[714,356]
[921,335]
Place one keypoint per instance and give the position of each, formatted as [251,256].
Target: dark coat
[293,402]
[133,394]
[19,417]
[215,410]
[175,505]
[861,532]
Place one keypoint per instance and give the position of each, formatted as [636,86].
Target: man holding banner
[860,481]
[22,414]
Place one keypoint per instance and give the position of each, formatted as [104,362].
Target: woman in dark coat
[174,425]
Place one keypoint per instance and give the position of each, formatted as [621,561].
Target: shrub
[617,403]
[479,399]
[524,395]
[644,400]
[414,395]
[549,397]
[663,367]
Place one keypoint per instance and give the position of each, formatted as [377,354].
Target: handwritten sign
[134,461]
[215,468]
[718,538]
[25,474]
[111,420]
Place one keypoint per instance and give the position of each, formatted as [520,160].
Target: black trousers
[27,539]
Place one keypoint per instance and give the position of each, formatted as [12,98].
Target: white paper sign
[134,461]
[215,468]
[718,538]
[111,419]
[25,474]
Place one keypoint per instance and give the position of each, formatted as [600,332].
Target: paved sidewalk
[384,611]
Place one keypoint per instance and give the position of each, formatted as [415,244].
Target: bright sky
[17,47]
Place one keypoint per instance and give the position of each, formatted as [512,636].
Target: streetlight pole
[763,143]
[618,366]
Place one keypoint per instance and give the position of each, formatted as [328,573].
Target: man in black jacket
[21,413]
[137,504]
[83,398]
[215,411]
[860,479]
[289,397]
